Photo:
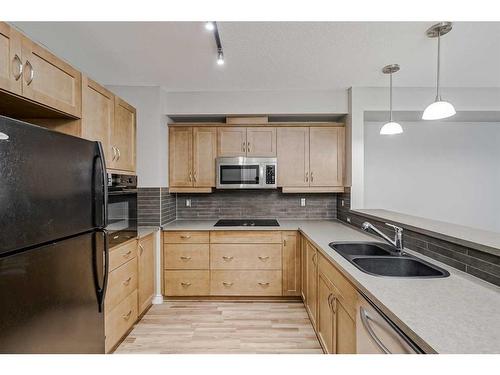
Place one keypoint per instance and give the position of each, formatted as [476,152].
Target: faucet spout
[398,234]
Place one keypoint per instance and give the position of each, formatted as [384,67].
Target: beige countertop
[146,230]
[457,314]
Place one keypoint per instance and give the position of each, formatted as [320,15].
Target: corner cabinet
[192,153]
[123,136]
[311,159]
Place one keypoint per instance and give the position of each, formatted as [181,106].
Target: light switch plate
[302,202]
[342,202]
[188,202]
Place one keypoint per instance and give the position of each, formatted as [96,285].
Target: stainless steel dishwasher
[377,334]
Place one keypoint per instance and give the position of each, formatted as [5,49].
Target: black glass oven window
[239,174]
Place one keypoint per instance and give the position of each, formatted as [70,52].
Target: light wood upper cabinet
[231,141]
[326,156]
[180,142]
[204,154]
[123,136]
[261,142]
[291,264]
[11,64]
[49,80]
[98,114]
[293,156]
[146,271]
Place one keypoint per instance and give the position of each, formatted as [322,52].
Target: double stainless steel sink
[384,260]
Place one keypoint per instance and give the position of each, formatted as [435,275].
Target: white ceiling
[180,56]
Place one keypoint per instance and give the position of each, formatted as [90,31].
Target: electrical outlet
[348,219]
[302,202]
[188,202]
[342,202]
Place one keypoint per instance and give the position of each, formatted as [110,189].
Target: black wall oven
[122,208]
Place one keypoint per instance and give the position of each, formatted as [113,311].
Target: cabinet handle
[284,242]
[263,258]
[263,284]
[312,177]
[186,284]
[127,315]
[185,236]
[32,73]
[227,258]
[126,255]
[141,248]
[17,60]
[190,176]
[227,284]
[248,146]
[307,177]
[331,300]
[365,319]
[243,147]
[185,258]
[194,176]
[114,152]
[126,282]
[314,258]
[119,153]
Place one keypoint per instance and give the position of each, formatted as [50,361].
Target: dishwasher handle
[365,319]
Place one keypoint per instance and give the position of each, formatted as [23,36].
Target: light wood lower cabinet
[120,319]
[187,283]
[291,264]
[146,271]
[245,256]
[245,282]
[186,256]
[311,282]
[122,281]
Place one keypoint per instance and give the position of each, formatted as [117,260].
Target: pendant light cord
[390,99]
[438,97]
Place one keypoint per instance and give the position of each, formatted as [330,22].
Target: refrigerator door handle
[101,287]
[100,156]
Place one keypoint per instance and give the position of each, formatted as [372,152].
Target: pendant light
[390,127]
[440,109]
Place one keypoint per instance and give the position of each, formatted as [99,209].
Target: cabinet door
[326,156]
[180,156]
[293,156]
[11,64]
[303,268]
[261,142]
[123,136]
[204,154]
[50,81]
[98,115]
[312,281]
[326,321]
[231,141]
[291,264]
[146,265]
[345,332]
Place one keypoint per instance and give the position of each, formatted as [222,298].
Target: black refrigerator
[53,243]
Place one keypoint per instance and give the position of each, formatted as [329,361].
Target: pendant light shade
[391,127]
[440,109]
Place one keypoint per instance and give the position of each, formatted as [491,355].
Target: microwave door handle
[262,181]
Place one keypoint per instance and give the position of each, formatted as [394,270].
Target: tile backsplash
[256,204]
[156,206]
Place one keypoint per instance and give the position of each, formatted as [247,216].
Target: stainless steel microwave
[246,173]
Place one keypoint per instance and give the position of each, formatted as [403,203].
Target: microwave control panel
[270,174]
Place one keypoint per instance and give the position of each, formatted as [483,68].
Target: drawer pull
[263,258]
[127,315]
[185,236]
[185,285]
[227,258]
[226,283]
[126,282]
[126,255]
[263,284]
[185,258]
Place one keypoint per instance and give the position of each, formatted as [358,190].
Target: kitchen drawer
[185,237]
[119,320]
[245,236]
[245,256]
[348,294]
[121,254]
[187,283]
[245,283]
[186,256]
[122,281]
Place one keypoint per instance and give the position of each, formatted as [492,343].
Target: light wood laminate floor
[223,327]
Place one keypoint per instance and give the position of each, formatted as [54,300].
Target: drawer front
[245,236]
[119,320]
[245,256]
[348,294]
[122,254]
[185,237]
[122,281]
[187,283]
[245,283]
[186,256]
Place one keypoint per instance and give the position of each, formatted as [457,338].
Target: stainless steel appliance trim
[365,320]
[262,162]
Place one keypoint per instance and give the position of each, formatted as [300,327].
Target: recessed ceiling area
[181,56]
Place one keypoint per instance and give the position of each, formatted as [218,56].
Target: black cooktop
[247,223]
